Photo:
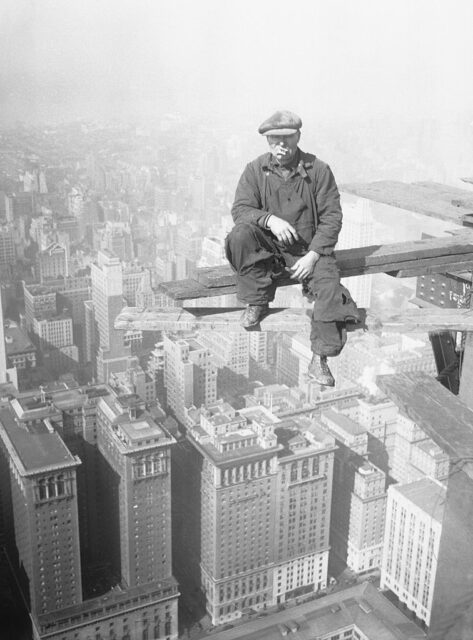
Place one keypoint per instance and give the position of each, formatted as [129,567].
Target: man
[287,217]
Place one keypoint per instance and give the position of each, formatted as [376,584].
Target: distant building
[107,299]
[20,351]
[7,247]
[53,262]
[65,295]
[415,455]
[348,432]
[54,336]
[190,374]
[213,252]
[39,299]
[414,515]
[117,239]
[230,350]
[357,231]
[379,417]
[258,346]
[133,275]
[303,512]
[278,398]
[68,229]
[366,356]
[8,375]
[367,517]
[351,454]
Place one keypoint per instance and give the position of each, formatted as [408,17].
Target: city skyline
[166,485]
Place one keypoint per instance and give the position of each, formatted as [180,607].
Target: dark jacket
[308,199]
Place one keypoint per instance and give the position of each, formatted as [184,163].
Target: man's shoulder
[310,160]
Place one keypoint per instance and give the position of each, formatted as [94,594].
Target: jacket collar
[302,162]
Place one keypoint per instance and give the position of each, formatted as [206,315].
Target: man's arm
[329,212]
[247,206]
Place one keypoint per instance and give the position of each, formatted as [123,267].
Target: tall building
[117,239]
[414,515]
[64,295]
[262,516]
[54,336]
[3,354]
[133,275]
[107,299]
[8,366]
[120,584]
[258,347]
[230,350]
[302,518]
[20,351]
[136,489]
[352,451]
[39,299]
[7,247]
[44,498]
[190,374]
[367,517]
[238,492]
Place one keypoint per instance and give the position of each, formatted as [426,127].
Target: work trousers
[258,259]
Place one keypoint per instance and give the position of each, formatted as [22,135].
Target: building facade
[414,516]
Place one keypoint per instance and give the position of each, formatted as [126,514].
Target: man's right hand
[283,231]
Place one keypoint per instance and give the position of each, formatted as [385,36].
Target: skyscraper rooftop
[36,447]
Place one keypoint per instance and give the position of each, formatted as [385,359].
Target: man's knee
[243,235]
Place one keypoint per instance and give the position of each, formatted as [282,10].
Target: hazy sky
[234,59]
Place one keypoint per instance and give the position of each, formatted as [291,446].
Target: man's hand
[283,231]
[304,266]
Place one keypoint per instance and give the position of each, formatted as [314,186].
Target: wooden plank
[209,319]
[424,269]
[294,320]
[402,259]
[430,319]
[443,417]
[427,198]
[358,261]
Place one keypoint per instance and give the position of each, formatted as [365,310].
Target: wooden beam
[294,320]
[208,319]
[440,414]
[401,259]
[427,198]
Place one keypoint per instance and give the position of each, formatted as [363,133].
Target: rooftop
[17,341]
[427,494]
[361,607]
[36,447]
[344,422]
[140,430]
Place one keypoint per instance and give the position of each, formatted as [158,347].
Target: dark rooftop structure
[361,609]
[37,447]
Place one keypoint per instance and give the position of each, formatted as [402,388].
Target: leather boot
[319,371]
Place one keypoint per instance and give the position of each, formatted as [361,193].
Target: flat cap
[281,123]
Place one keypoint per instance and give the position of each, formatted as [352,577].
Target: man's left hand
[304,266]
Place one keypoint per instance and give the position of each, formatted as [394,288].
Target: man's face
[284,148]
